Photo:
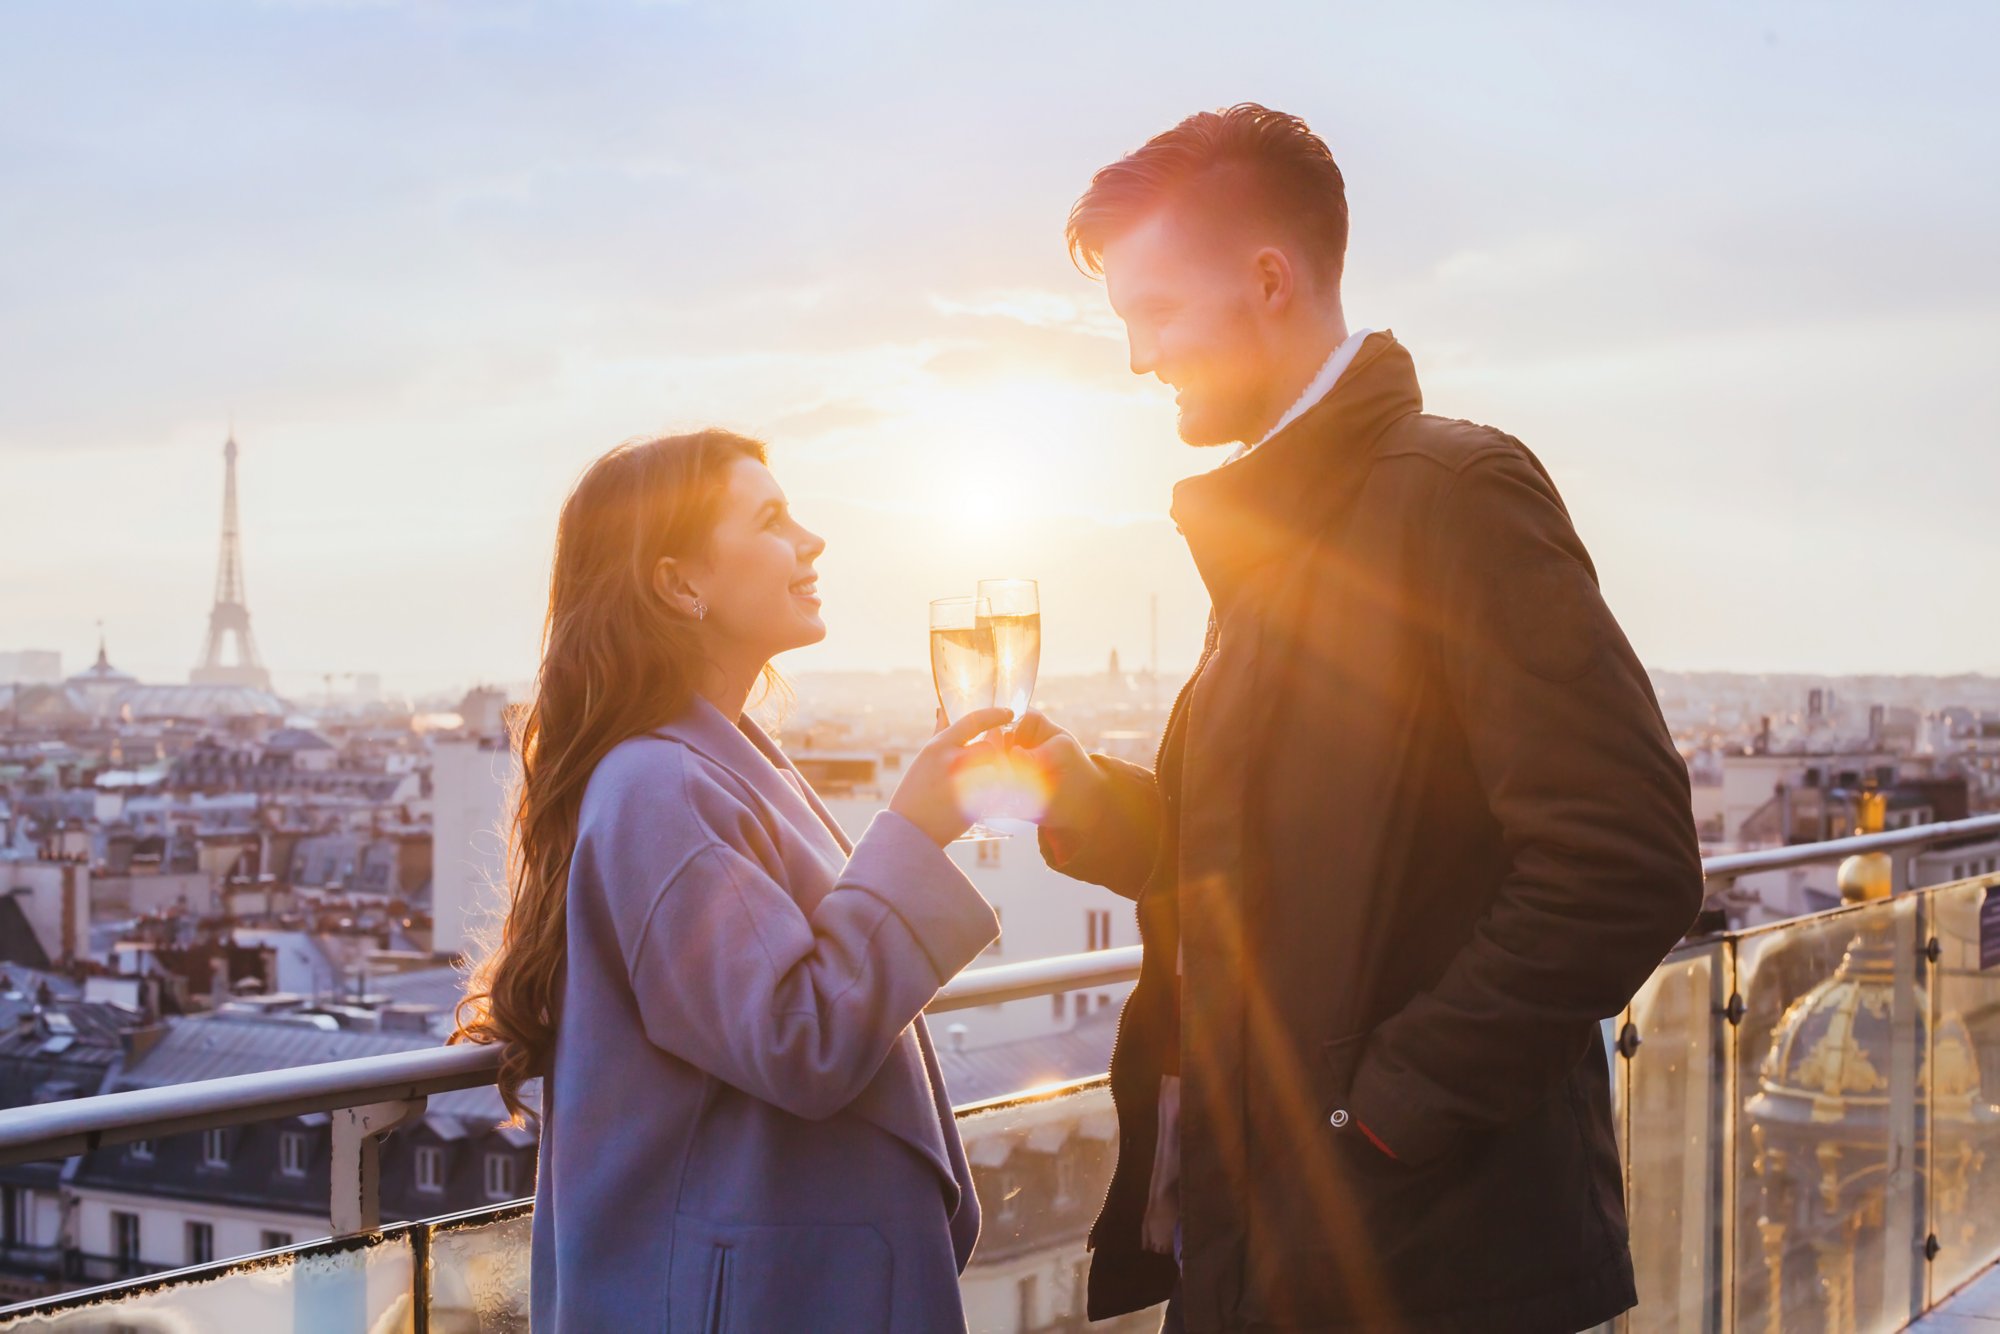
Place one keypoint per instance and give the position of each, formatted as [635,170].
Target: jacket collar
[1268,502]
[747,751]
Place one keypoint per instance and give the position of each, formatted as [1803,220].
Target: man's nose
[1144,356]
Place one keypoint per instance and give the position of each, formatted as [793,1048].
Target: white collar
[1322,384]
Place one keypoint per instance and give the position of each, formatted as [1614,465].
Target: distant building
[51,1050]
[471,777]
[199,702]
[189,1199]
[44,909]
[95,689]
[483,711]
[31,667]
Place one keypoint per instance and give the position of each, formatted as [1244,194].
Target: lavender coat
[745,1126]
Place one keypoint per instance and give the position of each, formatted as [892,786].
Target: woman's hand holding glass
[928,794]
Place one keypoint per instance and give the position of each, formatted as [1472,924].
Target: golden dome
[1865,877]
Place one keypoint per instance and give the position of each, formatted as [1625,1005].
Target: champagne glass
[963,668]
[1016,618]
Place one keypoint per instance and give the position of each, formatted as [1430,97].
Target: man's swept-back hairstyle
[1246,157]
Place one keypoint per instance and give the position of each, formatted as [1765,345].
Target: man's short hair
[1246,157]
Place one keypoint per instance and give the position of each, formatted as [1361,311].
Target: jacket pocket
[717,1320]
[745,1278]
[1339,1060]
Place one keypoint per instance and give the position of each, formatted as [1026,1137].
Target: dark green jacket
[1422,828]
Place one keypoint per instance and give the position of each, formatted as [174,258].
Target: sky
[1727,268]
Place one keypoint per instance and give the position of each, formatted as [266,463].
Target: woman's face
[757,576]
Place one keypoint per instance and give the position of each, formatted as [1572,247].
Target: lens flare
[995,782]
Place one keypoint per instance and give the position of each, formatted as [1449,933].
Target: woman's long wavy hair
[617,662]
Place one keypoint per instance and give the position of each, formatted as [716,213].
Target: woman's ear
[670,585]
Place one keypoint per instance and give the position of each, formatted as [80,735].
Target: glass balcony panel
[1829,1218]
[333,1288]
[479,1275]
[1962,1080]
[1853,1113]
[1041,1169]
[1673,1090]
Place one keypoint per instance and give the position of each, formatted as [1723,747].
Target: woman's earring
[700,610]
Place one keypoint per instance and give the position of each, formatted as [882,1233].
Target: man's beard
[1226,420]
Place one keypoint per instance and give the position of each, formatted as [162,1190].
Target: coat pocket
[717,1319]
[740,1278]
[1339,1059]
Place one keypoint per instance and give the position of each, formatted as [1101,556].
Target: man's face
[1196,317]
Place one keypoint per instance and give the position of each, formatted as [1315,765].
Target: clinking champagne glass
[1016,617]
[963,668]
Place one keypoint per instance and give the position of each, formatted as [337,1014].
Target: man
[1416,824]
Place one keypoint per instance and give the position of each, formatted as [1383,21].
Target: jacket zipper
[1159,757]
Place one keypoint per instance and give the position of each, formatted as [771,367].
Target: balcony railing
[1804,1110]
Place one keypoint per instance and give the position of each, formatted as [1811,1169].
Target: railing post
[1903,1278]
[1903,870]
[357,1162]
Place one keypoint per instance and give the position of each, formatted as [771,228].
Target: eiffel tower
[230,618]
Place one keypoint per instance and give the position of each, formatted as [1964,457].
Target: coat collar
[748,751]
[1266,503]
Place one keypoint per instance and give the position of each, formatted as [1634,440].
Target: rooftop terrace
[1807,1111]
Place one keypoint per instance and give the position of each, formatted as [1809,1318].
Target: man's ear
[671,586]
[1277,282]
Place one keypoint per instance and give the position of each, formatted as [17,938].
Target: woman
[743,1123]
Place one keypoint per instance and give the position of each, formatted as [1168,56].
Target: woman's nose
[810,543]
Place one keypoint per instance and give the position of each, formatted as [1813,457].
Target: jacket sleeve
[1116,845]
[1580,772]
[732,976]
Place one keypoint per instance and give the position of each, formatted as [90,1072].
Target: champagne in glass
[962,666]
[1015,616]
[962,660]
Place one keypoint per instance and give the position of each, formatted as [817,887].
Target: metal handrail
[1037,977]
[79,1125]
[61,1129]
[1729,865]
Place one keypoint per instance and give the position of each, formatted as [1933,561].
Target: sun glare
[982,447]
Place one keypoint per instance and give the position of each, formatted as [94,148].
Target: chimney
[956,1035]
[69,914]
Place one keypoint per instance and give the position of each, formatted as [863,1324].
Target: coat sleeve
[1580,772]
[1115,848]
[730,975]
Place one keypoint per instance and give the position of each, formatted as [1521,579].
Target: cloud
[1037,309]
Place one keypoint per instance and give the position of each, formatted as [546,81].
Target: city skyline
[1724,272]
